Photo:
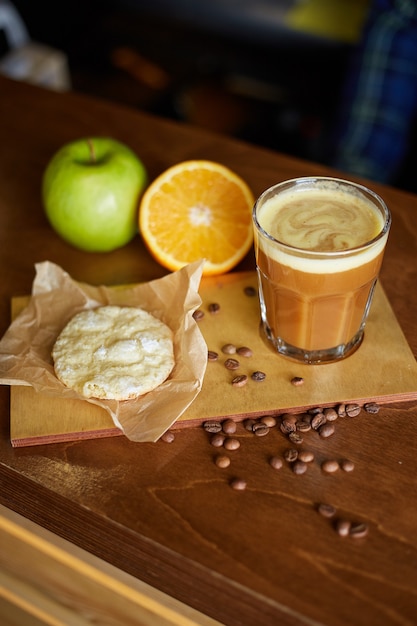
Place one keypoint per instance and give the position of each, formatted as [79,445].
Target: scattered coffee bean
[198,315]
[231,364]
[222,461]
[317,421]
[231,443]
[275,462]
[307,456]
[258,376]
[315,410]
[330,466]
[371,407]
[341,410]
[229,348]
[326,510]
[229,426]
[168,437]
[288,423]
[240,381]
[217,440]
[248,424]
[347,466]
[326,430]
[213,426]
[330,414]
[291,455]
[269,420]
[303,426]
[299,467]
[343,527]
[244,351]
[295,437]
[297,381]
[239,484]
[250,291]
[358,530]
[212,355]
[352,410]
[260,429]
[214,308]
[287,427]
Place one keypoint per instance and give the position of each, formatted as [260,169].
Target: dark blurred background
[266,71]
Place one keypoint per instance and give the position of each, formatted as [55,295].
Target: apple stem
[92,152]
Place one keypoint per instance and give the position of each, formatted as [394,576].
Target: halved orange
[195,210]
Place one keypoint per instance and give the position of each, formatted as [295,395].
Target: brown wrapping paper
[25,349]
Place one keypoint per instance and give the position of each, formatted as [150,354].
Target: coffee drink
[319,245]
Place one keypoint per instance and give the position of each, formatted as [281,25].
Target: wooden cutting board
[383,369]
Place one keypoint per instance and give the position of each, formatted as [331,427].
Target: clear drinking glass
[319,244]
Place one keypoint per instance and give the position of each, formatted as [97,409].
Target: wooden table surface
[163,512]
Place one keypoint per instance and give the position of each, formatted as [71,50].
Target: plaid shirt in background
[379,103]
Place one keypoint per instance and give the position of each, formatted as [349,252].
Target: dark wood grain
[165,512]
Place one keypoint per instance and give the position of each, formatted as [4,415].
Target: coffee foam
[328,228]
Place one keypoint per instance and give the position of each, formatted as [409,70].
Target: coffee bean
[347,466]
[299,467]
[297,381]
[168,437]
[231,443]
[330,414]
[371,407]
[212,426]
[295,437]
[290,417]
[326,510]
[358,530]
[212,356]
[306,455]
[231,364]
[229,426]
[302,426]
[239,484]
[330,466]
[315,410]
[341,410]
[291,455]
[269,420]
[260,429]
[250,291]
[198,315]
[275,462]
[222,461]
[248,424]
[326,430]
[229,348]
[317,421]
[214,308]
[288,423]
[240,381]
[343,527]
[217,440]
[352,410]
[258,376]
[287,427]
[244,351]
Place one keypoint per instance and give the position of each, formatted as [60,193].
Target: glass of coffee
[319,244]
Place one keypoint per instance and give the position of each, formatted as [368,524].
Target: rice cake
[114,352]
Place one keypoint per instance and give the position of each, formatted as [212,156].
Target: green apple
[91,189]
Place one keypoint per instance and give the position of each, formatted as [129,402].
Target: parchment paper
[25,349]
